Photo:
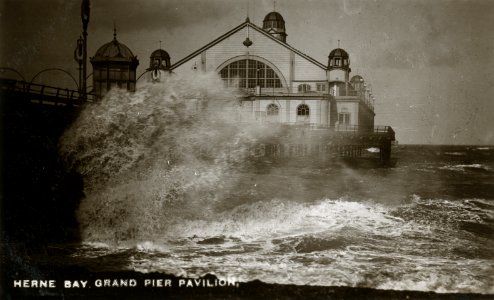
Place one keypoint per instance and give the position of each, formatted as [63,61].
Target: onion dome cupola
[159,65]
[114,65]
[275,25]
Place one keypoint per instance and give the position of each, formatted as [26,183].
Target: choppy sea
[423,222]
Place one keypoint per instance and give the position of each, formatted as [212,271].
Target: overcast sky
[430,63]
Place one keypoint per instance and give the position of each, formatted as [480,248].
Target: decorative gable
[291,63]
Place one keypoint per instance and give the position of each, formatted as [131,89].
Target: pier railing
[43,93]
[377,130]
[347,129]
[342,127]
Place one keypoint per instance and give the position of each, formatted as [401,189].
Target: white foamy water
[462,167]
[456,153]
[329,242]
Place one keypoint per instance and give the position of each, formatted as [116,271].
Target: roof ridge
[234,30]
[289,46]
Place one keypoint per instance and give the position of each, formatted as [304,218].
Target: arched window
[304,88]
[303,114]
[303,110]
[272,110]
[249,73]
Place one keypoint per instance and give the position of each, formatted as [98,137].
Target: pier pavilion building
[281,83]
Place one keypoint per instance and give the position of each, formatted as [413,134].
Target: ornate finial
[338,43]
[247,20]
[85,10]
[160,45]
[247,43]
[114,30]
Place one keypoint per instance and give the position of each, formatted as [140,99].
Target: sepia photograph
[247,149]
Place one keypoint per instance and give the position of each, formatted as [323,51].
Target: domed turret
[338,58]
[275,25]
[338,72]
[114,65]
[159,65]
[113,51]
[357,82]
[159,59]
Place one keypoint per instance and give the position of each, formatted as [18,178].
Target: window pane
[270,83]
[303,110]
[272,109]
[242,83]
[114,75]
[250,73]
[224,73]
[262,73]
[344,118]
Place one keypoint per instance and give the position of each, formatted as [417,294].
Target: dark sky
[430,63]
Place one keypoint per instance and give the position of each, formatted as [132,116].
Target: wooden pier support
[385,150]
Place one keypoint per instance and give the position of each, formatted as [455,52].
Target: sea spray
[392,228]
[156,157]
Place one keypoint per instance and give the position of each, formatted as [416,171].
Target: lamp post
[85,22]
[78,57]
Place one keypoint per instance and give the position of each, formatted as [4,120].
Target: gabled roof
[236,29]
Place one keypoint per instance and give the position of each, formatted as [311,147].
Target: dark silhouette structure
[114,65]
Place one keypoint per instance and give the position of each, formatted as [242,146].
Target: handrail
[346,129]
[41,90]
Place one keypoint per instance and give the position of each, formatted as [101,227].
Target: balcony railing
[281,92]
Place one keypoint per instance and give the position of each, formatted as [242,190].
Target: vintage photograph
[247,149]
